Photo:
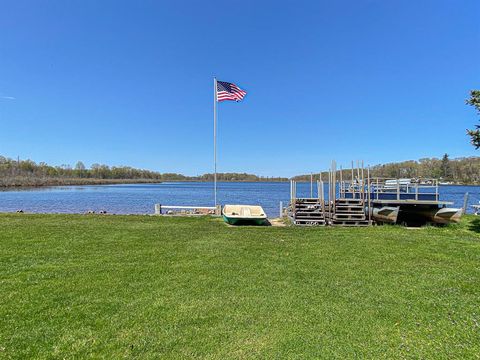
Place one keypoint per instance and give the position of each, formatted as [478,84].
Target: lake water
[140,198]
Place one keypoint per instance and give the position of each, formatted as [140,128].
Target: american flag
[229,91]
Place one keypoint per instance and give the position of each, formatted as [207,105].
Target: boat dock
[334,210]
[355,199]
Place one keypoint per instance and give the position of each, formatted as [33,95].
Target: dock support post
[334,186]
[311,185]
[281,209]
[363,183]
[358,179]
[321,196]
[158,209]
[329,191]
[342,193]
[369,197]
[218,209]
[465,202]
[352,184]
[291,191]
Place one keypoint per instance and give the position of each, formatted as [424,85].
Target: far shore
[25,184]
[39,182]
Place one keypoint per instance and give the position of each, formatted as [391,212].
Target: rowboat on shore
[244,214]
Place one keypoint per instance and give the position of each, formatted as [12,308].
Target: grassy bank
[149,287]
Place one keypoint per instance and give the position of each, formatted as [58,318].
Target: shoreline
[44,183]
[81,182]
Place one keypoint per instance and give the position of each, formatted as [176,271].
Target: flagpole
[215,139]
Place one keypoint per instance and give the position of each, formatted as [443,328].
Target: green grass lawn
[76,286]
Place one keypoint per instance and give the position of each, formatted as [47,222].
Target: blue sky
[130,82]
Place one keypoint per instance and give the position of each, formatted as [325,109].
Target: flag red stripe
[226,94]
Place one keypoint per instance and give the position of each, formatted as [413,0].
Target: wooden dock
[349,212]
[308,212]
[336,209]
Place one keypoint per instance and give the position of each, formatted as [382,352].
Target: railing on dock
[378,189]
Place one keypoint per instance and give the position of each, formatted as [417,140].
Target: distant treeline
[28,173]
[458,171]
[238,177]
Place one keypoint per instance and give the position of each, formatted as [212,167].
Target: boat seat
[246,211]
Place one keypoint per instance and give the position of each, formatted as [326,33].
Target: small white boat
[244,214]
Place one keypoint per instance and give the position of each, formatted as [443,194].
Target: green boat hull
[243,221]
